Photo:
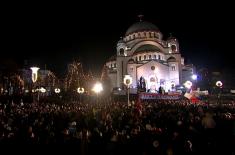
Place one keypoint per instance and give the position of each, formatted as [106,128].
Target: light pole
[80,91]
[34,75]
[219,84]
[97,89]
[188,85]
[128,82]
[194,78]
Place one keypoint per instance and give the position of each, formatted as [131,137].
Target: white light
[80,90]
[188,84]
[219,84]
[127,80]
[119,89]
[97,87]
[43,90]
[34,73]
[26,91]
[57,90]
[194,77]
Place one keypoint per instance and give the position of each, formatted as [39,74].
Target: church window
[139,58]
[121,51]
[149,56]
[173,67]
[144,57]
[152,34]
[159,57]
[155,57]
[114,65]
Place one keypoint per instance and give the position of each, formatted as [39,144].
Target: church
[151,61]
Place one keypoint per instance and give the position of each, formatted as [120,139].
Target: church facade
[150,61]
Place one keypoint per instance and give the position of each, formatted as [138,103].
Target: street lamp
[80,91]
[35,76]
[97,88]
[219,84]
[188,84]
[194,77]
[57,90]
[128,82]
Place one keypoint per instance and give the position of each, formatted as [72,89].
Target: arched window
[139,58]
[121,51]
[173,68]
[159,57]
[150,56]
[155,56]
[144,57]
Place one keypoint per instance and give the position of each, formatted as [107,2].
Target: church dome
[141,26]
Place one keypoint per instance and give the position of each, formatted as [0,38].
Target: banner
[153,96]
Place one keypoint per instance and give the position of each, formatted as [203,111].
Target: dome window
[121,52]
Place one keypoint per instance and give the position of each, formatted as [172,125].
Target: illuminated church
[150,61]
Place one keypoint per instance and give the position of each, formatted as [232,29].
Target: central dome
[141,26]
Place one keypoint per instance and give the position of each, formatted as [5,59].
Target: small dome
[171,59]
[141,26]
[131,61]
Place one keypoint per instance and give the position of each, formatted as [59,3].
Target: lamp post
[80,91]
[34,76]
[97,89]
[194,78]
[219,84]
[128,82]
[188,85]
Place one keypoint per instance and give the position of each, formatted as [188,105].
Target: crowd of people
[114,127]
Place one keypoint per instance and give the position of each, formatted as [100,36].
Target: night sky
[55,34]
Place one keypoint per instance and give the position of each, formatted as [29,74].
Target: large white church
[150,61]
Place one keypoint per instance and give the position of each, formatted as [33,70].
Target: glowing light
[194,77]
[188,84]
[97,88]
[219,84]
[43,90]
[127,80]
[80,90]
[34,73]
[57,90]
[26,91]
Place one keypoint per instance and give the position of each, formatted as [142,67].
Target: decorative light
[80,90]
[34,73]
[97,88]
[57,90]
[26,91]
[127,80]
[194,77]
[43,90]
[219,84]
[188,84]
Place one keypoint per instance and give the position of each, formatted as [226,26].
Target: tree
[106,80]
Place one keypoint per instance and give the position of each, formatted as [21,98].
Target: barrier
[154,96]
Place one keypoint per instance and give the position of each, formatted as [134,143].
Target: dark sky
[55,34]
